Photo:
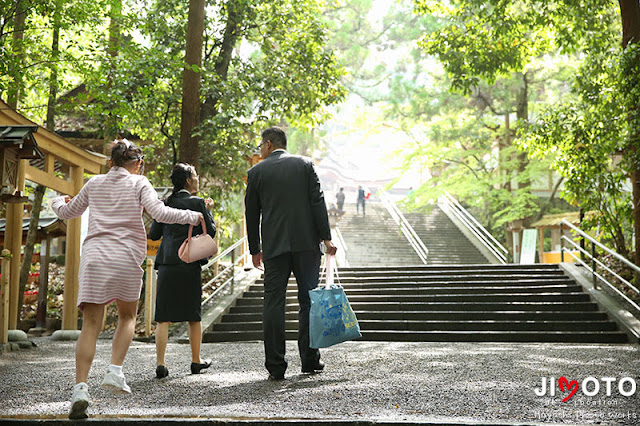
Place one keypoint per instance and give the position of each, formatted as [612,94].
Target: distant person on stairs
[361,198]
[284,191]
[340,199]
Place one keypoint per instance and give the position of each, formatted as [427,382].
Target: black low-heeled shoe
[196,367]
[162,372]
[313,368]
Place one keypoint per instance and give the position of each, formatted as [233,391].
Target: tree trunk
[630,15]
[53,77]
[188,147]
[13,94]
[235,17]
[523,116]
[43,288]
[25,267]
[113,46]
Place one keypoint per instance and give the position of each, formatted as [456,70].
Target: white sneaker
[115,383]
[79,402]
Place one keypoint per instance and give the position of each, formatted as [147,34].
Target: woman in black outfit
[180,284]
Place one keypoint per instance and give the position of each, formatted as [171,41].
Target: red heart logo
[571,386]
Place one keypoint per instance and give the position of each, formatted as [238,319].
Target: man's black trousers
[305,266]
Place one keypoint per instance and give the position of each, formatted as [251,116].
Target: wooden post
[541,243]
[561,243]
[72,261]
[9,237]
[43,287]
[148,297]
[216,265]
[16,212]
[245,244]
[4,297]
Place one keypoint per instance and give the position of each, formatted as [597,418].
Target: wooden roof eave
[53,144]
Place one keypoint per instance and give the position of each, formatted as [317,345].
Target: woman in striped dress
[112,255]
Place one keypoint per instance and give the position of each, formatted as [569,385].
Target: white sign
[529,240]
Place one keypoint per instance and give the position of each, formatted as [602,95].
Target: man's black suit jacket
[173,235]
[284,190]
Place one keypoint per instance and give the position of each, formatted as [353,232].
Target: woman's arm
[162,213]
[74,207]
[208,219]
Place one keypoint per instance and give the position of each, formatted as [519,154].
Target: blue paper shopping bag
[331,319]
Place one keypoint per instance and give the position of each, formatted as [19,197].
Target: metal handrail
[595,261]
[470,222]
[224,253]
[342,253]
[599,244]
[234,262]
[414,240]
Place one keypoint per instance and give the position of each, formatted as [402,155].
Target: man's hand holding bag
[198,247]
[331,319]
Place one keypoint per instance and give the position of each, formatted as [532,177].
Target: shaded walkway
[415,382]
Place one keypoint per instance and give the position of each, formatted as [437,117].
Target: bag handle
[330,271]
[204,228]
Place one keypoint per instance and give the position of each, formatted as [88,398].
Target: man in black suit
[284,191]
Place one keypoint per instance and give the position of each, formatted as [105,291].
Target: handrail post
[561,242]
[594,265]
[582,240]
[148,294]
[4,296]
[233,268]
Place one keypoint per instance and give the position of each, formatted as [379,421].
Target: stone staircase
[489,303]
[446,243]
[457,297]
[375,239]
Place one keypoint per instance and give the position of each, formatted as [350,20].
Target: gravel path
[369,381]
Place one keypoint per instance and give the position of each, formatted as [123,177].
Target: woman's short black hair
[180,174]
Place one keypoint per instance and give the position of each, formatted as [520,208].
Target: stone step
[574,316]
[417,281]
[437,298]
[258,292]
[448,306]
[408,325]
[447,336]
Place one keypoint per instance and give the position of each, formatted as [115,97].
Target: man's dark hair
[276,135]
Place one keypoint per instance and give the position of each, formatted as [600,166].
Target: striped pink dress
[116,241]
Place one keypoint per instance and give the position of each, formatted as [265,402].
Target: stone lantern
[16,143]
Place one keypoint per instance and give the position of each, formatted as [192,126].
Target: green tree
[262,63]
[581,138]
[483,41]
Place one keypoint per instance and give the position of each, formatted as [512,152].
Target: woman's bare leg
[92,315]
[195,339]
[162,337]
[124,332]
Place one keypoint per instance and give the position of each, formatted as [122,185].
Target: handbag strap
[204,229]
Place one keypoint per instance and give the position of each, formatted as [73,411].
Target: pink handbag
[198,247]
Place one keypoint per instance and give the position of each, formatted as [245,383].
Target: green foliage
[482,45]
[581,138]
[272,67]
[25,65]
[486,39]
